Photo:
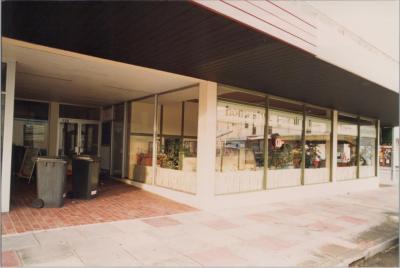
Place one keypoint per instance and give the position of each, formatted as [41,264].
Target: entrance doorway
[78,137]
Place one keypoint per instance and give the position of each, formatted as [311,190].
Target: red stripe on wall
[252,27]
[272,14]
[294,15]
[268,23]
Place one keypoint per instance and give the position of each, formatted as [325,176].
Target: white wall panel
[302,25]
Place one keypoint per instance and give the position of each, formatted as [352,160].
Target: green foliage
[170,158]
[312,153]
[281,157]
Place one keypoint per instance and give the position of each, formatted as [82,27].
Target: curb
[368,253]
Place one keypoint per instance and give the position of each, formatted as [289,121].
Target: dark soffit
[183,38]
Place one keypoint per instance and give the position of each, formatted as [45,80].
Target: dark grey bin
[85,177]
[51,177]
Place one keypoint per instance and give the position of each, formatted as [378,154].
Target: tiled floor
[325,232]
[115,201]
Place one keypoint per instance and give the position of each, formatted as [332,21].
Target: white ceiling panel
[49,74]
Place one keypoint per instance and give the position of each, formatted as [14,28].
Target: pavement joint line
[370,252]
[91,224]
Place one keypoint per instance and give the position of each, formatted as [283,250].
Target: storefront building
[226,134]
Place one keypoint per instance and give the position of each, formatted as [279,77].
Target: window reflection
[347,147]
[284,144]
[177,140]
[284,140]
[240,137]
[317,146]
[367,148]
[141,140]
[240,141]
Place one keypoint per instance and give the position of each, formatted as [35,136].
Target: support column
[377,147]
[54,112]
[125,141]
[266,144]
[392,156]
[206,140]
[334,145]
[303,146]
[358,147]
[7,137]
[154,152]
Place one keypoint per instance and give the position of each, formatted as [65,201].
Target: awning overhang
[184,38]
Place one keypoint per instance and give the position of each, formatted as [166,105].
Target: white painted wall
[8,136]
[358,36]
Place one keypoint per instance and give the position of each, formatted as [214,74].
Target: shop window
[317,146]
[141,140]
[3,76]
[284,144]
[30,127]
[240,141]
[347,147]
[367,148]
[177,140]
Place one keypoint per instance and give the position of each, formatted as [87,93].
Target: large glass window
[3,76]
[317,146]
[30,127]
[141,140]
[177,140]
[347,147]
[284,144]
[117,140]
[240,141]
[367,148]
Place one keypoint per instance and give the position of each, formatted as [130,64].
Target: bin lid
[50,159]
[84,158]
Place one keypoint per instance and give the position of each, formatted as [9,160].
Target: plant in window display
[280,153]
[171,152]
[313,156]
[296,151]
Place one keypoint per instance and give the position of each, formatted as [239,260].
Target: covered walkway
[116,201]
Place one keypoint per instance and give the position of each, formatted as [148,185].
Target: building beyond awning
[184,38]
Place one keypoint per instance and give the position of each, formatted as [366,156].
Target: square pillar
[54,112]
[395,152]
[378,147]
[206,140]
[125,143]
[7,137]
[334,145]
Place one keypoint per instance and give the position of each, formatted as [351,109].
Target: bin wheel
[38,203]
[70,195]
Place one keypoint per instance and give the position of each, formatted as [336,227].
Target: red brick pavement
[115,201]
[10,259]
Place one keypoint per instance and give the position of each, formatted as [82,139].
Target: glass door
[89,138]
[68,140]
[77,137]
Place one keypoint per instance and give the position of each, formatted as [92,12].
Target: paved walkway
[115,201]
[320,232]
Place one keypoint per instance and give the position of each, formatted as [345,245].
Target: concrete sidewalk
[334,231]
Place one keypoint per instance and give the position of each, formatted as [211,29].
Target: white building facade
[267,121]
